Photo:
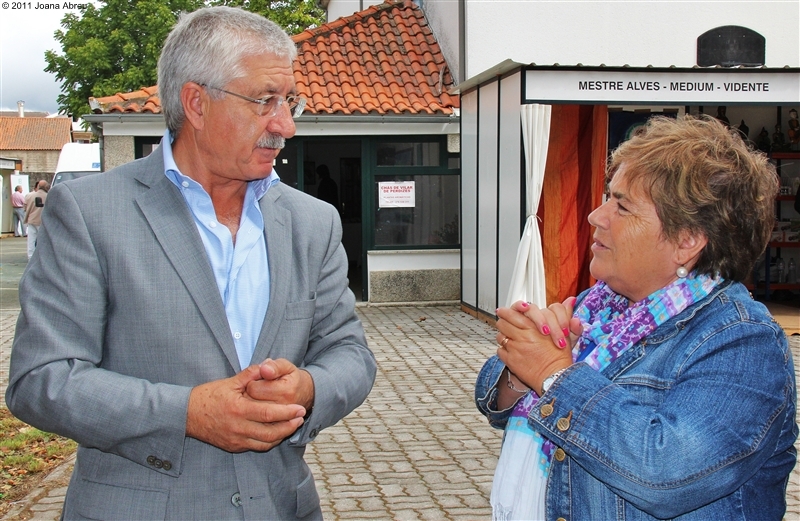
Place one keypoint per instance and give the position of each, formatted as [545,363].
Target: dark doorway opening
[332,172]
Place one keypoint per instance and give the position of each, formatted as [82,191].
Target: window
[143,146]
[414,194]
[433,220]
[408,154]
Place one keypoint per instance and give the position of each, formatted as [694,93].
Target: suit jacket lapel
[278,233]
[172,223]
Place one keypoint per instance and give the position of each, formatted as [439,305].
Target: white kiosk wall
[510,194]
[469,199]
[487,195]
[491,180]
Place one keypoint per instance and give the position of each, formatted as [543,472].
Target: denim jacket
[695,422]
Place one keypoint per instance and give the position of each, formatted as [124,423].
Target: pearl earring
[682,272]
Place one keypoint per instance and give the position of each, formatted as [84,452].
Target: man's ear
[194,99]
[690,245]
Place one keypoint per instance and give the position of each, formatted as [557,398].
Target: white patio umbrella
[527,281]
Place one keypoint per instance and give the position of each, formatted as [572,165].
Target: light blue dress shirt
[241,270]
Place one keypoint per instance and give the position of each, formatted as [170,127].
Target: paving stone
[417,449]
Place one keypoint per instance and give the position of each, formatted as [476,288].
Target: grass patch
[27,455]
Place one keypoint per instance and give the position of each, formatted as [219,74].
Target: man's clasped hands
[253,410]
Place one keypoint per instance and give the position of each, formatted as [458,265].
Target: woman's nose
[597,217]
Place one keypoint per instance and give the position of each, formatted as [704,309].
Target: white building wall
[442,17]
[339,8]
[637,33]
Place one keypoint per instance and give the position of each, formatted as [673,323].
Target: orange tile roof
[34,133]
[140,101]
[383,60]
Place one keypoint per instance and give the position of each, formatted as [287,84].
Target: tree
[114,46]
[295,16]
[111,48]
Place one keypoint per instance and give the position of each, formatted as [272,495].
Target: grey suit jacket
[121,317]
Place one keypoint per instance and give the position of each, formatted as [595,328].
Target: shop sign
[396,194]
[714,87]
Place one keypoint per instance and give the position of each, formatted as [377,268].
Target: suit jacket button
[236,500]
[313,433]
[158,463]
[151,460]
[167,465]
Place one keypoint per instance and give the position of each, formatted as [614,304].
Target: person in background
[18,215]
[664,391]
[34,205]
[794,130]
[327,189]
[186,318]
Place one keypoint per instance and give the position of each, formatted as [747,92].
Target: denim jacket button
[561,519]
[560,454]
[547,409]
[563,423]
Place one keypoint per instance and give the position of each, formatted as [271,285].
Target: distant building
[36,141]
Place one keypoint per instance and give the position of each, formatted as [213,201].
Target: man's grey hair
[207,47]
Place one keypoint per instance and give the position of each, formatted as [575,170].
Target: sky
[25,34]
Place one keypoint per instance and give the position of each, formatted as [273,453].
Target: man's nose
[282,122]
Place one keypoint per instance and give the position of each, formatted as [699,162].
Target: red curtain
[573,187]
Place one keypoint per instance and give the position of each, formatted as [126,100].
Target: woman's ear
[194,99]
[690,245]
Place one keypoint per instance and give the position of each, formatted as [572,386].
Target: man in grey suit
[186,317]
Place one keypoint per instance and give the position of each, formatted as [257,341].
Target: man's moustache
[271,141]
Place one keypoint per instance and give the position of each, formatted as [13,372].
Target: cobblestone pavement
[416,449]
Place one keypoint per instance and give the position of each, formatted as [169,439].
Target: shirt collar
[259,186]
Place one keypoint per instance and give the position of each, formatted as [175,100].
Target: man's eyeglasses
[271,104]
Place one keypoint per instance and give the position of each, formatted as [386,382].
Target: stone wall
[414,285]
[36,164]
[117,150]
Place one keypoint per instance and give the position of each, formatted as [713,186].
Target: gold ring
[504,342]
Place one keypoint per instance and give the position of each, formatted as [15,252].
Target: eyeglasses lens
[270,106]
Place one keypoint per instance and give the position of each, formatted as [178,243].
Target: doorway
[331,171]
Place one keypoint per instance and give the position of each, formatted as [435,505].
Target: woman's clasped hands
[535,343]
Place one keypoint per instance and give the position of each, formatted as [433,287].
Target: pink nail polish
[565,331]
[562,343]
[545,330]
[524,305]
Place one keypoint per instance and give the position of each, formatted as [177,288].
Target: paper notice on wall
[396,194]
